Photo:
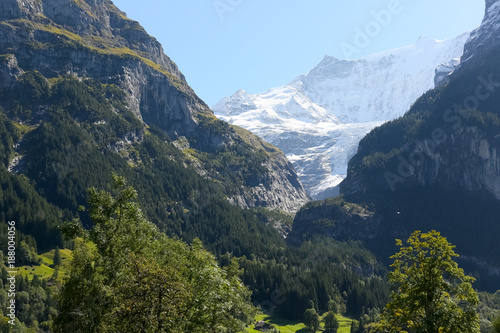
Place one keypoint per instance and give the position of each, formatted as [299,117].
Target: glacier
[318,119]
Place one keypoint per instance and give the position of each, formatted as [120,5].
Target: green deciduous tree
[495,324]
[153,298]
[333,306]
[127,276]
[311,320]
[430,292]
[331,323]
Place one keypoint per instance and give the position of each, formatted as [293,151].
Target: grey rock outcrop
[336,219]
[444,70]
[9,69]
[278,189]
[487,36]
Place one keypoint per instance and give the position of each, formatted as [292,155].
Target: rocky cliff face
[94,39]
[279,189]
[467,158]
[470,159]
[9,69]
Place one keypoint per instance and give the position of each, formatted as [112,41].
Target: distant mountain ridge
[319,118]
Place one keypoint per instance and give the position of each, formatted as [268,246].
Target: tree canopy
[311,320]
[430,293]
[331,323]
[127,276]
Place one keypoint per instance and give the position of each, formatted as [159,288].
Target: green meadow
[287,326]
[46,268]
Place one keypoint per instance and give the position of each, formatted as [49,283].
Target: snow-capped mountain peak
[236,104]
[277,106]
[351,89]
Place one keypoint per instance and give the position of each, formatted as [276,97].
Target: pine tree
[354,326]
[57,257]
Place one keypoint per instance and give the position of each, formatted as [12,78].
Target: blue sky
[224,45]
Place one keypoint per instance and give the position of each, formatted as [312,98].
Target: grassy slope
[46,268]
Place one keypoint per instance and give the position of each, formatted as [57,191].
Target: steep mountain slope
[95,40]
[319,118]
[85,92]
[448,136]
[434,168]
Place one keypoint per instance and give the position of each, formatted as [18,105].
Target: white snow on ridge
[319,118]
[276,105]
[378,87]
